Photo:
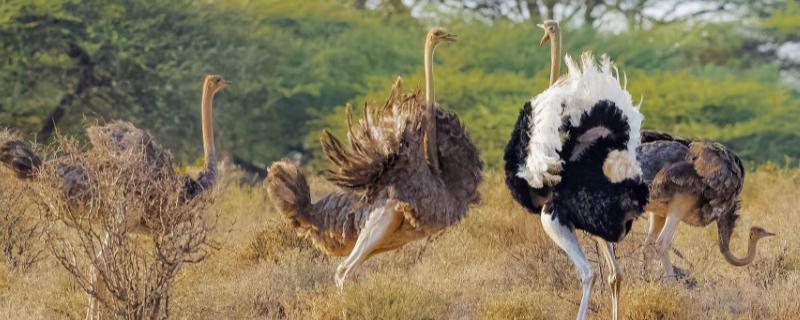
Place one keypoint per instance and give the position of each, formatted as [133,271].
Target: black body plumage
[585,198]
[516,151]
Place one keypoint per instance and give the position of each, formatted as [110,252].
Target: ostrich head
[551,31]
[756,233]
[437,35]
[215,83]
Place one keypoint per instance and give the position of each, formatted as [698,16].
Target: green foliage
[785,23]
[295,64]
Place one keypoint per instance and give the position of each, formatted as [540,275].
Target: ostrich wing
[659,154]
[380,145]
[676,178]
[720,168]
[460,160]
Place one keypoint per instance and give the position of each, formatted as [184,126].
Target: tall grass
[496,264]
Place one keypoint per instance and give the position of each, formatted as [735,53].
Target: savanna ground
[496,264]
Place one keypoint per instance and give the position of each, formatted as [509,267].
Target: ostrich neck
[207,120]
[430,147]
[736,261]
[555,57]
[429,97]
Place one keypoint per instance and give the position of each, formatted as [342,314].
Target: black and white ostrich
[571,158]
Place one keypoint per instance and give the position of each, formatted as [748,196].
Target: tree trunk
[588,13]
[87,80]
[551,8]
[534,13]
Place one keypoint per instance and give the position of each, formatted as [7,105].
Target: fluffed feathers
[380,145]
[289,192]
[514,156]
[566,101]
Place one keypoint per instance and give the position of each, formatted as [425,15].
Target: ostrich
[390,195]
[119,143]
[590,180]
[116,140]
[695,182]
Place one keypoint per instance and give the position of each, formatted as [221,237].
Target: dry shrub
[517,304]
[653,301]
[391,297]
[96,200]
[20,230]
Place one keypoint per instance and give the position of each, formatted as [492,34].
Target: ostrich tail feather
[289,192]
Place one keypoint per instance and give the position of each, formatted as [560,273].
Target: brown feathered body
[384,166]
[707,170]
[143,169]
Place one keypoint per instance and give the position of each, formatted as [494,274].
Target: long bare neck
[555,57]
[430,145]
[207,120]
[747,259]
[429,94]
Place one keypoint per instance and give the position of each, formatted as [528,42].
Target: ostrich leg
[379,227]
[565,238]
[615,278]
[654,229]
[678,208]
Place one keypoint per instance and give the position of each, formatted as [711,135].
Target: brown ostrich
[144,168]
[117,141]
[390,195]
[697,183]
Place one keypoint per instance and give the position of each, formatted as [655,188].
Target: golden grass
[496,264]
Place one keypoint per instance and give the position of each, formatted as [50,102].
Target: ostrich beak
[545,37]
[768,234]
[449,37]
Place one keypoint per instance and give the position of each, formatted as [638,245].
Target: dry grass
[497,264]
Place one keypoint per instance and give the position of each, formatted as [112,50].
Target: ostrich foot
[341,271]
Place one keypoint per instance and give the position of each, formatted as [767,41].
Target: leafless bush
[121,225]
[20,230]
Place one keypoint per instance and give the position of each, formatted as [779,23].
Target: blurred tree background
[727,70]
